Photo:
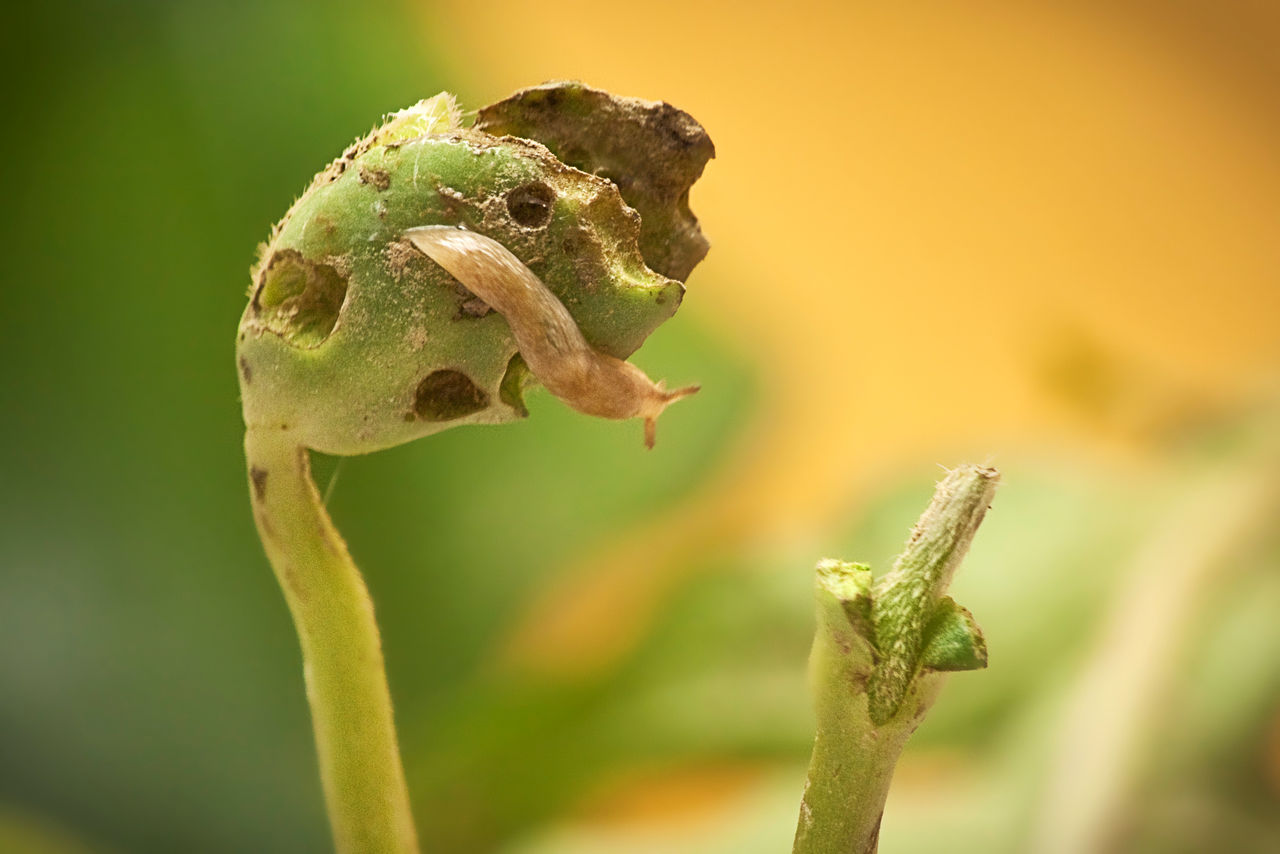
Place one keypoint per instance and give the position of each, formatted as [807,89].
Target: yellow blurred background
[937,226]
[1038,235]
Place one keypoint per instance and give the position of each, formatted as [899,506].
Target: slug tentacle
[547,336]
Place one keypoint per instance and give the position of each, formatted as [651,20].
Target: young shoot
[422,281]
[879,656]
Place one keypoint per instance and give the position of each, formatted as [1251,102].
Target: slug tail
[662,399]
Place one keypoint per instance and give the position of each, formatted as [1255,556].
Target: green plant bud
[355,340]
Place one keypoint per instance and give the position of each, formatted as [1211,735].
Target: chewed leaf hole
[447,394]
[299,300]
[530,204]
[511,389]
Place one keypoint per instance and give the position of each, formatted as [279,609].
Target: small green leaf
[953,640]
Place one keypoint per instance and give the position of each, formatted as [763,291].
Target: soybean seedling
[422,281]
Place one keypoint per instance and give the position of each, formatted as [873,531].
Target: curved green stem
[364,786]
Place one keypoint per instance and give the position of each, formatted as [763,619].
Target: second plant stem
[853,761]
[360,766]
[877,665]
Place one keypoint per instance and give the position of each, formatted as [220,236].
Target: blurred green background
[1040,237]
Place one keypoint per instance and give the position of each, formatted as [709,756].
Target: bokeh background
[1039,235]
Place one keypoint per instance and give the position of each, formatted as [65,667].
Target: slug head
[356,341]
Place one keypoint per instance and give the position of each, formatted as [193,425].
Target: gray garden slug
[546,335]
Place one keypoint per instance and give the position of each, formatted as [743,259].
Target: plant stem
[360,768]
[853,760]
[877,664]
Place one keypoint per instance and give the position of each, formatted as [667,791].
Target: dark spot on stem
[245,370]
[323,535]
[290,576]
[447,394]
[259,478]
[530,204]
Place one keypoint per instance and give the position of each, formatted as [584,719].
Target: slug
[547,337]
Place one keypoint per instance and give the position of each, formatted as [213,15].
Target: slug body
[546,335]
